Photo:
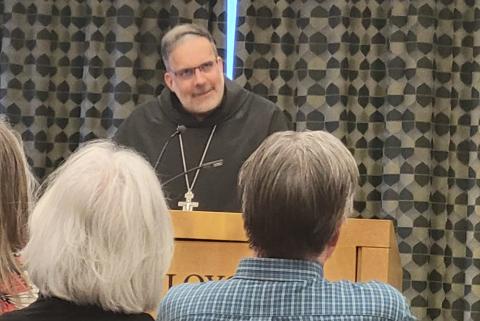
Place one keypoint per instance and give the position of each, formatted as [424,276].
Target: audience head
[194,71]
[296,189]
[15,192]
[101,233]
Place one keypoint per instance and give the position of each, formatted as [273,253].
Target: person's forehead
[191,51]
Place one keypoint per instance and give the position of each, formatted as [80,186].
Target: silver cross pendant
[188,204]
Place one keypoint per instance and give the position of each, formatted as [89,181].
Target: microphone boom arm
[180,129]
[214,163]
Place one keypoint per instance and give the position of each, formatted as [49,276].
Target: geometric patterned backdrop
[397,81]
[71,71]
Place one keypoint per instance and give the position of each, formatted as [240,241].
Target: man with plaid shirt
[296,190]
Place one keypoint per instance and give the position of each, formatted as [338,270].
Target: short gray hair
[296,188]
[175,35]
[101,232]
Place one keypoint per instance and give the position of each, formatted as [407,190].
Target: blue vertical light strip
[231,27]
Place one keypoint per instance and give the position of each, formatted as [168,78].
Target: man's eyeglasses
[188,73]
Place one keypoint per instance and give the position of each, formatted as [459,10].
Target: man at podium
[296,190]
[200,117]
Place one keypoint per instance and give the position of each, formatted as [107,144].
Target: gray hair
[296,188]
[177,34]
[101,233]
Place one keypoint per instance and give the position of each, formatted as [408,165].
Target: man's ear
[332,243]
[168,80]
[334,239]
[220,64]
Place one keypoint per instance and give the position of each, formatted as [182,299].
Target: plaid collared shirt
[278,289]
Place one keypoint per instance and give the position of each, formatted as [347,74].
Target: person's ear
[332,243]
[168,80]
[220,64]
[334,239]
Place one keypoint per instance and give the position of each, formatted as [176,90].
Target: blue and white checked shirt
[283,290]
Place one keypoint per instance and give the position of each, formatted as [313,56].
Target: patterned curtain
[71,71]
[398,82]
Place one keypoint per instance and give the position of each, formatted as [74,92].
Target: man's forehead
[191,50]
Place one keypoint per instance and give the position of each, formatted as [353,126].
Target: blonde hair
[101,233]
[15,196]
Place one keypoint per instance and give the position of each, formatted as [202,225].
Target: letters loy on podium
[209,245]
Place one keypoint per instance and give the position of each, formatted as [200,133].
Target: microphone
[180,129]
[214,163]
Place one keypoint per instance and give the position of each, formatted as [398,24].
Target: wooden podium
[209,245]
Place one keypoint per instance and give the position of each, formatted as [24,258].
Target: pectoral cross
[188,204]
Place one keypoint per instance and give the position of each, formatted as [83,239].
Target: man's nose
[199,77]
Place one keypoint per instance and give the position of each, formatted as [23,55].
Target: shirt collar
[278,269]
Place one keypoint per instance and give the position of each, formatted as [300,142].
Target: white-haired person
[15,197]
[100,239]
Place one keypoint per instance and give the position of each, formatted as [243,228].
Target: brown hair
[296,188]
[14,202]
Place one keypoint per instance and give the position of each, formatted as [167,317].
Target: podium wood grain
[209,245]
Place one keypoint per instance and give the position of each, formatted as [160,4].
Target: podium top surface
[227,226]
